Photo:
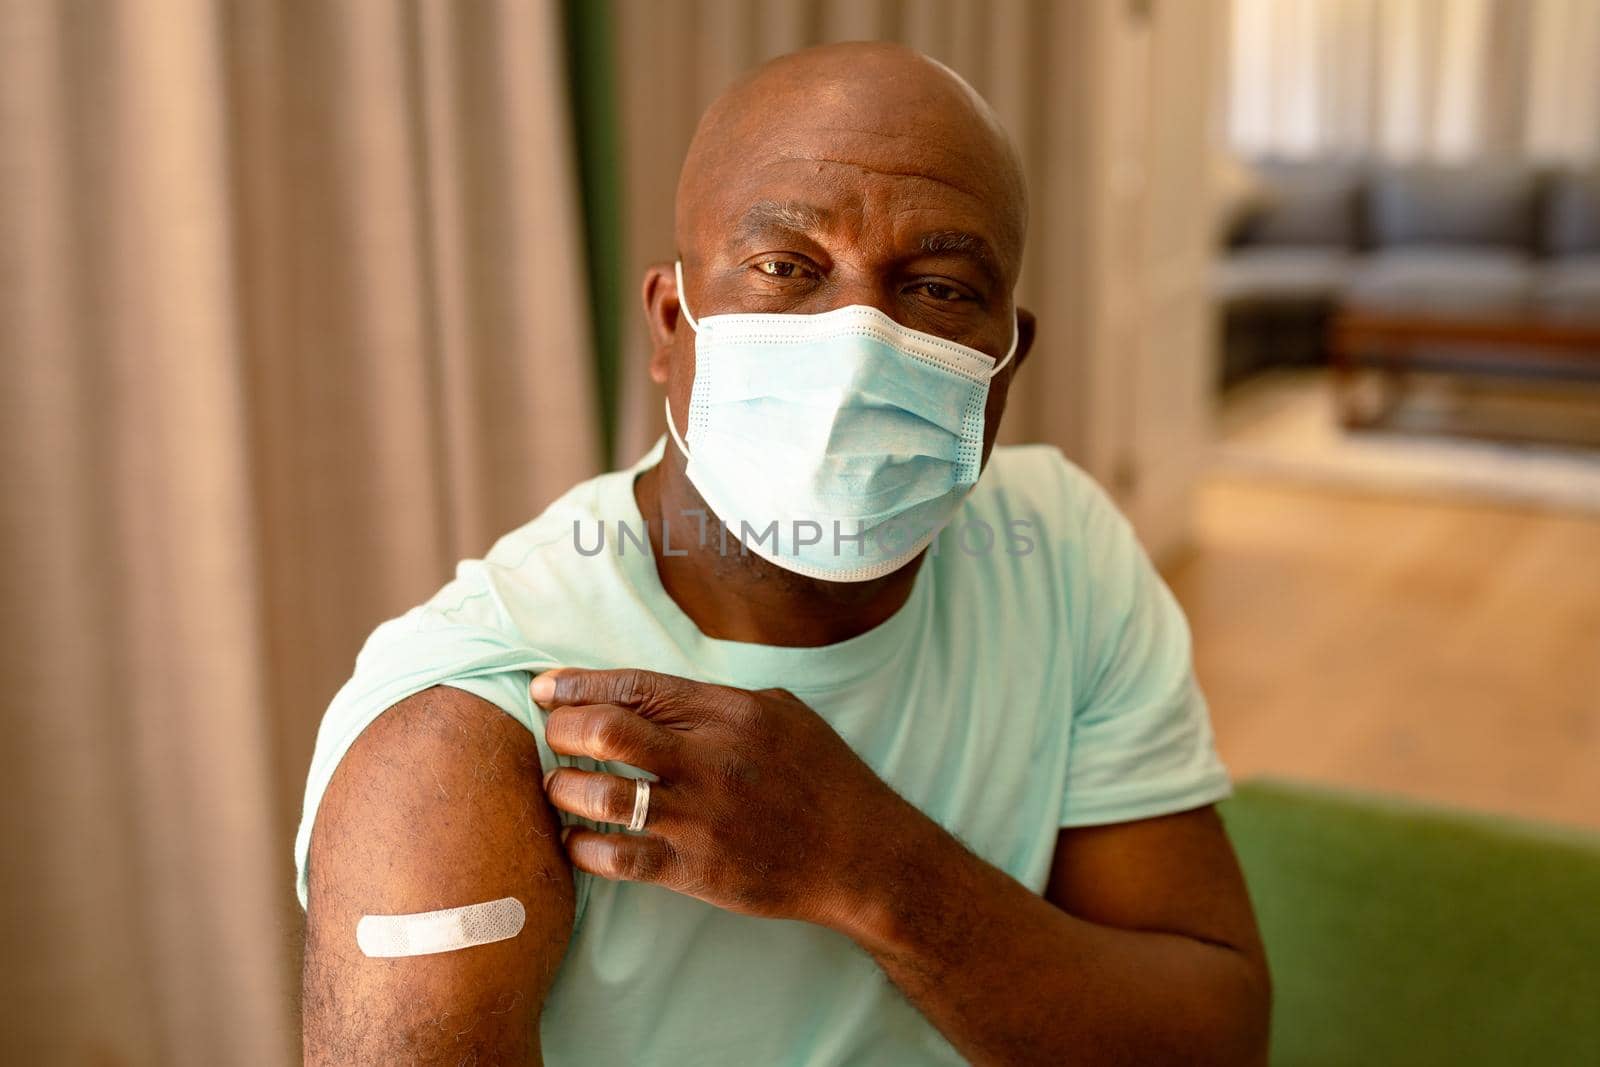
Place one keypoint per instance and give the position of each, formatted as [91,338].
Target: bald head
[870,126]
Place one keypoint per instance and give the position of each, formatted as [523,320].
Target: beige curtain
[1416,79]
[291,318]
[1563,93]
[1030,58]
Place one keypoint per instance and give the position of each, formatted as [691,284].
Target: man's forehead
[803,143]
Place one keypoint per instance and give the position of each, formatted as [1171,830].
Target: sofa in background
[1406,935]
[1485,239]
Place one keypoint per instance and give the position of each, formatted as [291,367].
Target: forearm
[1010,978]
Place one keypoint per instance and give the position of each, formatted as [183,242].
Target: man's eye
[940,291]
[779,268]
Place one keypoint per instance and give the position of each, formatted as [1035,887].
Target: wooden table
[1398,344]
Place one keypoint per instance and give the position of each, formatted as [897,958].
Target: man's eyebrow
[797,216]
[962,243]
[766,215]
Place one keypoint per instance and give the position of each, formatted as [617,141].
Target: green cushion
[1400,934]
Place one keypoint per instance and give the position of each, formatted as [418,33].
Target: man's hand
[760,807]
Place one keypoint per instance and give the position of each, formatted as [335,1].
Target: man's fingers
[622,857]
[610,734]
[648,692]
[598,797]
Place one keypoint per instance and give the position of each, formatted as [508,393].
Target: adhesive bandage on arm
[427,932]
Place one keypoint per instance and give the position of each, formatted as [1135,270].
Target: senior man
[852,756]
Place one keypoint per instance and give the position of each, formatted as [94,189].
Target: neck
[738,596]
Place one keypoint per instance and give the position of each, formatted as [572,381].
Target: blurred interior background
[302,302]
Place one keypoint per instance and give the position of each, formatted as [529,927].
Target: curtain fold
[293,316]
[1446,80]
[1562,99]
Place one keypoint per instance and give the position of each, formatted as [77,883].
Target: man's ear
[664,317]
[1027,327]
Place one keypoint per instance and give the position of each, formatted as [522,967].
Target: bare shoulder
[438,804]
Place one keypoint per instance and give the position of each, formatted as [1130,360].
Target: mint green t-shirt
[1039,676]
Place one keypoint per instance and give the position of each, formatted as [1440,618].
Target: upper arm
[1175,874]
[438,804]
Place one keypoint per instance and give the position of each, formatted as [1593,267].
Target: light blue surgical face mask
[833,445]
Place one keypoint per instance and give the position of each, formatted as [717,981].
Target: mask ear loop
[1016,335]
[666,403]
[672,428]
[683,301]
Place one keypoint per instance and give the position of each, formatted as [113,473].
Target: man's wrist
[909,864]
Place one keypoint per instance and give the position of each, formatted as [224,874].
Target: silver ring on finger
[641,805]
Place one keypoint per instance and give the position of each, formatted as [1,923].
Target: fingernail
[547,775]
[543,688]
